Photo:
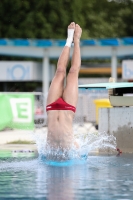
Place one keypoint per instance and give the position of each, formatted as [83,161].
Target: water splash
[96,142]
[89,142]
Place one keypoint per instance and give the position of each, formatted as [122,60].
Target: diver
[62,98]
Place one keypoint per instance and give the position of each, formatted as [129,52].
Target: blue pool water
[104,177]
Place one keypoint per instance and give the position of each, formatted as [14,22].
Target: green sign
[17,111]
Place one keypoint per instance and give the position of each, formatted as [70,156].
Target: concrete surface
[7,136]
[119,122]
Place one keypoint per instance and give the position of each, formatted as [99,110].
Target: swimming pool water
[100,177]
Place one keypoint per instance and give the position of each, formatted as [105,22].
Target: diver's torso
[60,133]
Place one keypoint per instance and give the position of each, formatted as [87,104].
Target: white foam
[89,141]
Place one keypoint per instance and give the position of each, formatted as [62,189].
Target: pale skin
[60,132]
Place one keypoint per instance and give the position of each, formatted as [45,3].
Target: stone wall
[119,122]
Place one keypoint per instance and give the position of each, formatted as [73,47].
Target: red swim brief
[60,104]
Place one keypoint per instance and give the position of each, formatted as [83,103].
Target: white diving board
[107,85]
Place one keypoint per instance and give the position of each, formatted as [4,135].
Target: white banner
[127,69]
[20,71]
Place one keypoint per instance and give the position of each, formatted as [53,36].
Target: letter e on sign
[21,110]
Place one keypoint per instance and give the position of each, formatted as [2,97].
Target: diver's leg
[57,85]
[70,94]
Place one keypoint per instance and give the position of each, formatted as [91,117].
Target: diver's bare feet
[77,33]
[71,25]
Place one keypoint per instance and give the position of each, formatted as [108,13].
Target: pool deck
[25,136]
[7,136]
[18,147]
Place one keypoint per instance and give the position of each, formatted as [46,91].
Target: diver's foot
[77,33]
[71,25]
[70,34]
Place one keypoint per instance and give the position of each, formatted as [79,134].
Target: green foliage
[49,18]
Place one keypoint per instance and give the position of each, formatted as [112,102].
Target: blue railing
[48,43]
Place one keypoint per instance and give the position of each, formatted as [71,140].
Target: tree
[49,19]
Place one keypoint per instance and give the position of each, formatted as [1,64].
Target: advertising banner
[20,71]
[127,69]
[17,111]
